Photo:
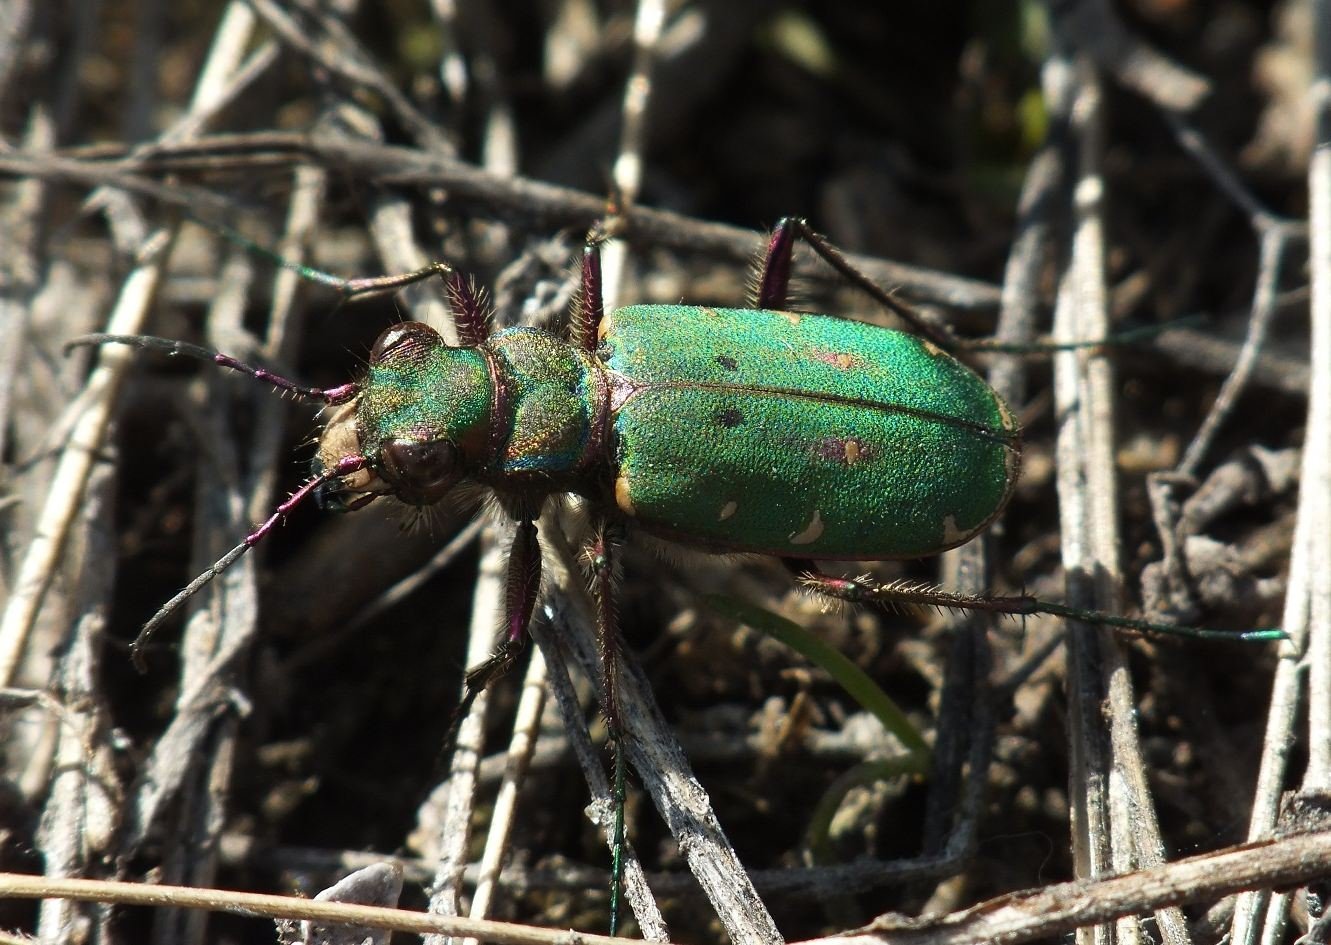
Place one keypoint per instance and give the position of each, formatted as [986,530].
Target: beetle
[763,430]
[803,436]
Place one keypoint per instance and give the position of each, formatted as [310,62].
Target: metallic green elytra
[802,435]
[776,432]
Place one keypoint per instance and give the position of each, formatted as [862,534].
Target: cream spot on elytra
[951,534]
[845,451]
[728,510]
[838,359]
[1012,464]
[624,495]
[811,533]
[1005,416]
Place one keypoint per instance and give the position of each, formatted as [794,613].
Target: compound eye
[405,341]
[422,470]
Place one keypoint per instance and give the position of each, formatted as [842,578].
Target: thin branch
[520,748]
[683,803]
[459,791]
[628,167]
[37,569]
[1053,911]
[250,905]
[1042,913]
[1307,610]
[518,199]
[637,888]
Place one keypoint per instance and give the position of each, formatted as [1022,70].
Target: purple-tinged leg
[521,587]
[590,309]
[601,568]
[473,322]
[344,467]
[469,314]
[171,348]
[774,272]
[523,582]
[372,286]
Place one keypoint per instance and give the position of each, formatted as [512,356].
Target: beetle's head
[421,418]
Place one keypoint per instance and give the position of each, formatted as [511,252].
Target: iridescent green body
[782,433]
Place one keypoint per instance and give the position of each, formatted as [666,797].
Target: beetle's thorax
[551,404]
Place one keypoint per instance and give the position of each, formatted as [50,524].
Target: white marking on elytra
[1012,466]
[624,495]
[811,533]
[728,510]
[1005,416]
[951,534]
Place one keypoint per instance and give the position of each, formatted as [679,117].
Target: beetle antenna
[171,348]
[343,467]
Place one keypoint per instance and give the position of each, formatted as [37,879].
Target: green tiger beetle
[806,437]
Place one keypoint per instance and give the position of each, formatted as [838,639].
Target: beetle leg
[585,322]
[602,566]
[774,279]
[863,590]
[524,581]
[522,584]
[371,287]
[469,311]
